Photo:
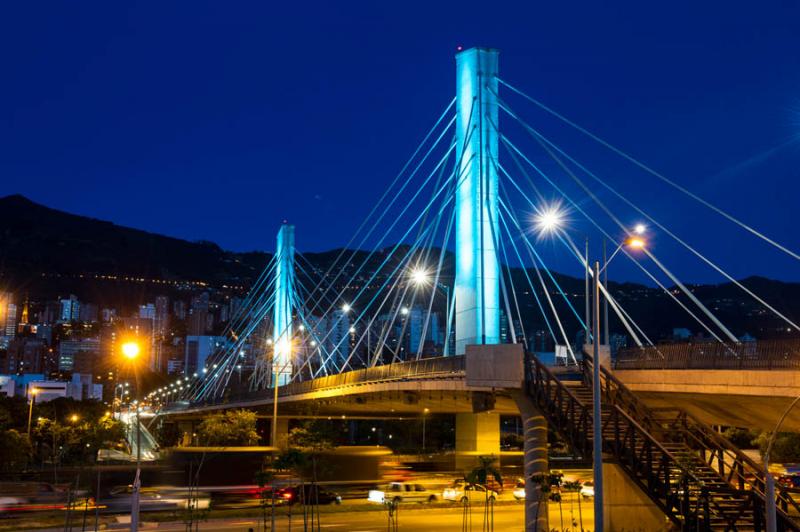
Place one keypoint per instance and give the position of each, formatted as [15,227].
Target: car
[462,491]
[157,498]
[519,490]
[308,494]
[587,490]
[398,492]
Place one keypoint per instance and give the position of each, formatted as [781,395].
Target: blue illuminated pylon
[282,315]
[477,301]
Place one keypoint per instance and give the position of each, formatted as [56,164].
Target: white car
[587,490]
[519,490]
[402,492]
[461,491]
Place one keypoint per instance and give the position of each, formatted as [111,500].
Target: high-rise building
[198,349]
[199,315]
[80,356]
[162,315]
[11,320]
[417,318]
[70,309]
[88,312]
[147,312]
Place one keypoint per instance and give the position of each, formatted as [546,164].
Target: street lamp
[32,392]
[421,277]
[130,350]
[424,417]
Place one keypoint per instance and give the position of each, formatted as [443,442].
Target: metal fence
[759,355]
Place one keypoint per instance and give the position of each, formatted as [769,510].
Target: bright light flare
[549,219]
[346,308]
[640,229]
[130,350]
[637,243]
[420,277]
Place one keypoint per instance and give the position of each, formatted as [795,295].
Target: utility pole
[588,318]
[605,299]
[597,422]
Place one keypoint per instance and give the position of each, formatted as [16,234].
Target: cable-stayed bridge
[437,315]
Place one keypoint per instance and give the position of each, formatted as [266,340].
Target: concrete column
[625,506]
[282,441]
[476,435]
[535,461]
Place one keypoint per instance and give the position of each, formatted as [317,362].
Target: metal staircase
[698,478]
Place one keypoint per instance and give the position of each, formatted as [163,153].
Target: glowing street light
[549,219]
[74,418]
[420,277]
[346,307]
[640,229]
[33,393]
[130,350]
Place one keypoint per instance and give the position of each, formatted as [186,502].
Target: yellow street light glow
[130,350]
[637,243]
[74,418]
[34,391]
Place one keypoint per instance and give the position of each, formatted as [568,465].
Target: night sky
[218,120]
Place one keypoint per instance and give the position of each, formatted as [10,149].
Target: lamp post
[32,393]
[130,350]
[420,277]
[424,417]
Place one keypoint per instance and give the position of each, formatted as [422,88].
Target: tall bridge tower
[284,300]
[477,301]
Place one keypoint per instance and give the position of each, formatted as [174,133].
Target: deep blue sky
[217,120]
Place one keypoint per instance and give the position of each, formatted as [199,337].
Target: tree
[486,471]
[785,449]
[233,428]
[15,450]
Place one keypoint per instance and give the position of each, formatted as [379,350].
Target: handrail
[431,367]
[713,441]
[756,355]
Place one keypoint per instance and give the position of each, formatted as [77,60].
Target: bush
[741,438]
[234,428]
[786,448]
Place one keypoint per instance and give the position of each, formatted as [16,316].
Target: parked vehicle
[587,490]
[461,491]
[402,492]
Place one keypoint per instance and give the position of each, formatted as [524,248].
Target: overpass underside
[739,398]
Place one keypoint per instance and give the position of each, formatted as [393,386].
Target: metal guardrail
[439,367]
[759,355]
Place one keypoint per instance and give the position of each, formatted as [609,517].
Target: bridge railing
[758,355]
[430,367]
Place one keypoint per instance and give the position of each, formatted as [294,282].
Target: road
[506,517]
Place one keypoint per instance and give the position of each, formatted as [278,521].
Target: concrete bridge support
[625,505]
[476,435]
[535,462]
